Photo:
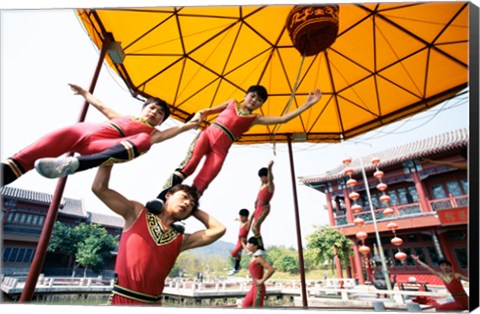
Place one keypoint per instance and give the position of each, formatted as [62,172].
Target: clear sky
[43,50]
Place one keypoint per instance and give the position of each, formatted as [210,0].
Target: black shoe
[155,206]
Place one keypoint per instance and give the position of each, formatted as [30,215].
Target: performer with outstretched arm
[452,283]
[214,142]
[150,243]
[262,203]
[122,138]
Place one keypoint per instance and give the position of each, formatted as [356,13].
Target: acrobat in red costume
[256,295]
[242,234]
[148,253]
[86,138]
[215,141]
[459,295]
[262,203]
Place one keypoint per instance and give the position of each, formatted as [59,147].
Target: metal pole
[377,235]
[42,245]
[297,222]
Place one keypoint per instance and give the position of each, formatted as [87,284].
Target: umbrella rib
[449,56]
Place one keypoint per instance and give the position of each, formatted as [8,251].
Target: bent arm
[269,269]
[311,100]
[461,277]
[114,200]
[98,104]
[214,231]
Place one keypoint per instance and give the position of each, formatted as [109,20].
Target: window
[462,257]
[454,188]
[432,253]
[413,192]
[412,238]
[438,191]
[420,253]
[409,260]
[465,185]
[41,219]
[13,256]
[23,218]
[28,256]
[35,220]
[29,219]
[20,256]
[403,198]
[393,197]
[6,253]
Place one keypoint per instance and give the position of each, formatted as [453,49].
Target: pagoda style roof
[106,220]
[425,148]
[68,206]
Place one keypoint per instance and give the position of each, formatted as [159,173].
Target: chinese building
[428,188]
[23,215]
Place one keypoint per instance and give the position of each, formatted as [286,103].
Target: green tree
[325,243]
[87,244]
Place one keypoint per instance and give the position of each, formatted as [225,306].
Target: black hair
[444,261]
[244,212]
[190,190]
[260,90]
[161,103]
[253,240]
[263,172]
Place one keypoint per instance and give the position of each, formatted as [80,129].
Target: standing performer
[452,283]
[236,253]
[122,138]
[214,142]
[150,243]
[262,203]
[256,296]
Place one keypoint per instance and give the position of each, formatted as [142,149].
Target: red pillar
[422,195]
[331,218]
[358,265]
[51,217]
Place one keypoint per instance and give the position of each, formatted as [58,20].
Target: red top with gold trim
[146,255]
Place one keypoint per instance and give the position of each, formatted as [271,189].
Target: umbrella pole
[42,245]
[297,222]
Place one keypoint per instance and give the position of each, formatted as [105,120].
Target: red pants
[212,144]
[255,296]
[238,249]
[261,212]
[84,138]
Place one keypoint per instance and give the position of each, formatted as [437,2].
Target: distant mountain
[219,248]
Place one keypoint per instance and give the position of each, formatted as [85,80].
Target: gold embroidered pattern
[160,236]
[243,112]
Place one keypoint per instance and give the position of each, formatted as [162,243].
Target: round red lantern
[358,221]
[356,208]
[401,256]
[354,196]
[378,174]
[313,29]
[392,226]
[348,171]
[385,198]
[375,160]
[382,186]
[347,160]
[388,211]
[396,241]
[364,249]
[362,235]
[351,183]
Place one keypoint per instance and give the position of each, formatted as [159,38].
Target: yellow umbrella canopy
[388,61]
